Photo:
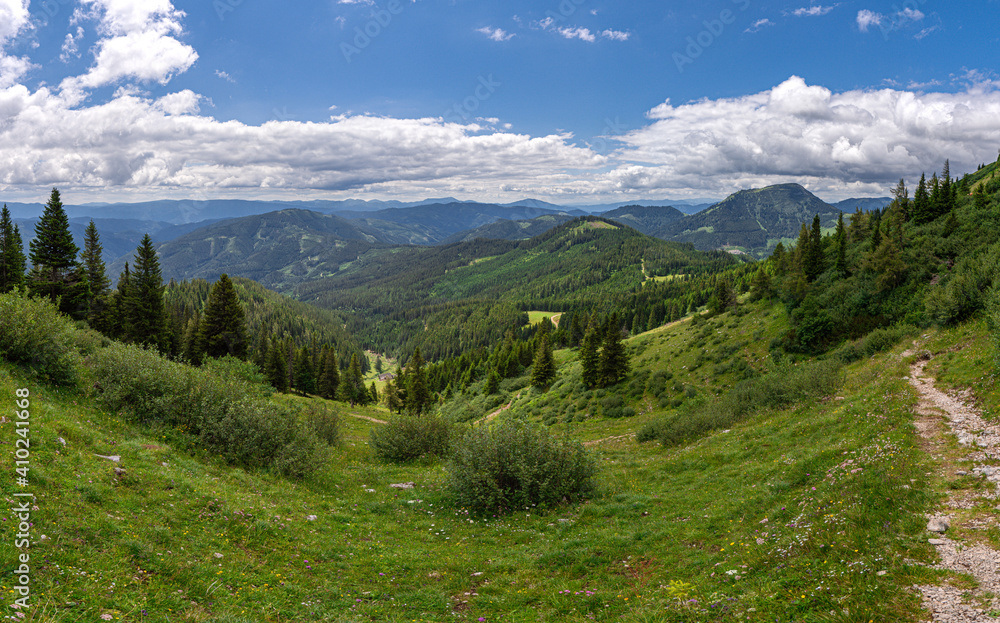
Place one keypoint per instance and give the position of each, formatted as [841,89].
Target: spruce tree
[148,318]
[352,384]
[277,368]
[901,199]
[590,357]
[223,329]
[802,249]
[305,380]
[55,273]
[329,379]
[921,202]
[492,383]
[373,393]
[98,299]
[813,257]
[418,396]
[981,200]
[946,200]
[12,260]
[543,370]
[122,304]
[613,365]
[840,263]
[392,400]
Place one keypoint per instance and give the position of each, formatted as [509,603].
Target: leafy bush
[781,388]
[407,437]
[877,341]
[511,465]
[323,422]
[238,370]
[35,335]
[224,412]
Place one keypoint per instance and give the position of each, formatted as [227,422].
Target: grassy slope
[840,482]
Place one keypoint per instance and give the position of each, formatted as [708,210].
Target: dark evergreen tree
[922,202]
[543,370]
[305,378]
[329,379]
[352,384]
[946,196]
[392,399]
[840,237]
[55,273]
[492,383]
[277,367]
[981,199]
[762,287]
[723,297]
[12,260]
[373,393]
[122,304]
[98,299]
[590,359]
[613,365]
[813,257]
[223,329]
[147,322]
[418,396]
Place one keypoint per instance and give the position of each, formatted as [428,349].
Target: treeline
[929,259]
[298,347]
[459,298]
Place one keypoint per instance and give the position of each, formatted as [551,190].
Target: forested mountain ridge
[278,249]
[651,220]
[510,230]
[397,299]
[753,220]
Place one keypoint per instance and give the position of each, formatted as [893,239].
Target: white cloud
[795,131]
[139,43]
[71,45]
[866,19]
[495,34]
[361,2]
[925,32]
[616,35]
[813,11]
[159,146]
[759,24]
[225,76]
[583,34]
[14,18]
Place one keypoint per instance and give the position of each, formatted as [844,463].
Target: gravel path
[937,410]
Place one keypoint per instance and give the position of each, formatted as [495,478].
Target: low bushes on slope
[35,335]
[510,464]
[225,412]
[409,437]
[781,388]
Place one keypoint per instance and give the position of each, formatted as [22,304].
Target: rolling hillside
[753,220]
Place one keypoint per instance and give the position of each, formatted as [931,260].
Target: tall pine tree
[12,260]
[840,263]
[921,212]
[418,395]
[147,317]
[55,273]
[590,357]
[812,264]
[98,299]
[223,329]
[543,370]
[614,365]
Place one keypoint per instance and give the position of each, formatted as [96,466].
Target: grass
[789,515]
[536,317]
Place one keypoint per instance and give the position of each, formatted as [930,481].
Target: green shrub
[35,335]
[511,465]
[406,438]
[781,388]
[877,341]
[222,411]
[323,422]
[238,370]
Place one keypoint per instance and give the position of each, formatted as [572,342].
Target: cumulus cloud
[139,42]
[14,19]
[866,19]
[583,34]
[759,24]
[813,11]
[71,46]
[616,35]
[495,34]
[160,145]
[797,131]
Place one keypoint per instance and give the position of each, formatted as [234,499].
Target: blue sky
[573,101]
